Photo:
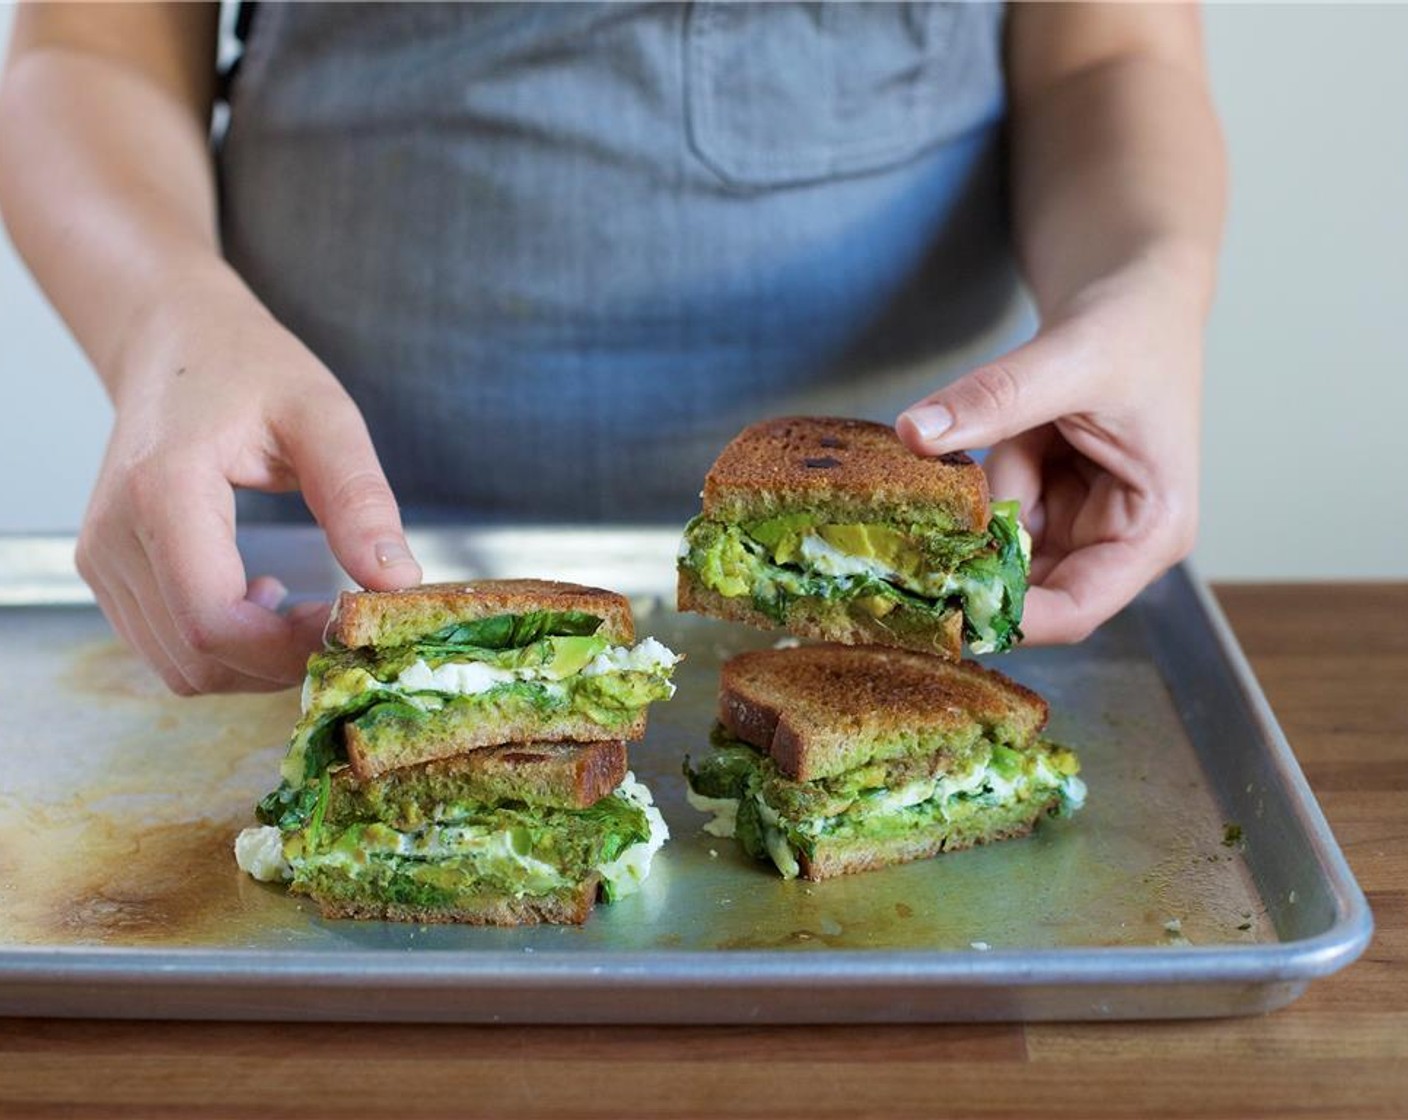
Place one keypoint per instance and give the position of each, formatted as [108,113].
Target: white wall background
[1307,364]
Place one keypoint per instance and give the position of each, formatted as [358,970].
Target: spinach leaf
[728,772]
[1003,563]
[320,808]
[748,829]
[317,745]
[291,807]
[508,631]
[288,807]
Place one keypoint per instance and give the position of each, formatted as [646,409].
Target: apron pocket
[781,94]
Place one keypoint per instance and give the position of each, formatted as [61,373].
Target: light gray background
[1307,380]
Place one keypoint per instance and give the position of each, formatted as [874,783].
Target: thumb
[1023,389]
[343,484]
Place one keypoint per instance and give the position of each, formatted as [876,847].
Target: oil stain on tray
[120,804]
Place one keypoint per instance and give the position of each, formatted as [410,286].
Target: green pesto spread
[466,848]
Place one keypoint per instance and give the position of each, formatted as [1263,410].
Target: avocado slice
[887,546]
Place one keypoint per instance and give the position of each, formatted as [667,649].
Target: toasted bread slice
[566,906]
[856,470]
[383,618]
[821,710]
[834,856]
[555,775]
[838,620]
[387,743]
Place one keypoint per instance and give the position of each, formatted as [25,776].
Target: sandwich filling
[458,851]
[981,792]
[930,569]
[542,663]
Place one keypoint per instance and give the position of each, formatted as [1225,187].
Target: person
[541,261]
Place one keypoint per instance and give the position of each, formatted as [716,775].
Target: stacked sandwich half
[881,745]
[462,757]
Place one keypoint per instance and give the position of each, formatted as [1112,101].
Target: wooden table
[1334,662]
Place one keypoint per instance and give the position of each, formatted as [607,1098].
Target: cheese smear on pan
[260,852]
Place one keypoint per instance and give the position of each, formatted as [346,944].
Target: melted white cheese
[1004,787]
[915,793]
[470,678]
[952,784]
[1072,793]
[775,840]
[459,678]
[628,871]
[260,852]
[493,849]
[724,809]
[649,656]
[831,561]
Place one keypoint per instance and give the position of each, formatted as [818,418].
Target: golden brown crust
[446,738]
[813,707]
[838,858]
[365,618]
[565,775]
[855,468]
[566,907]
[836,621]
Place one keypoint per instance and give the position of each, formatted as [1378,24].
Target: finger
[267,592]
[308,619]
[1031,386]
[1064,496]
[201,673]
[1014,469]
[92,576]
[227,669]
[118,604]
[310,616]
[190,581]
[126,616]
[1086,588]
[344,486]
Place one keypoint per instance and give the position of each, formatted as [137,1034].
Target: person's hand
[215,395]
[1093,426]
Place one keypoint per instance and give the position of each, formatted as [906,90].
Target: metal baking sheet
[119,895]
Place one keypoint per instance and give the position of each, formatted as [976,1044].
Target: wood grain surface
[1333,660]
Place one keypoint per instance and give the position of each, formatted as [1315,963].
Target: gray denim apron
[559,254]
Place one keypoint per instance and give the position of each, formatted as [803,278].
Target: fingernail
[267,592]
[392,552]
[930,420]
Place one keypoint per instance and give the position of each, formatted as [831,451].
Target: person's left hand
[1093,427]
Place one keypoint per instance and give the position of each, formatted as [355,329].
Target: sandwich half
[461,757]
[432,672]
[831,759]
[833,529]
[507,835]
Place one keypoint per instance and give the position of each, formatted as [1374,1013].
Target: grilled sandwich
[831,759]
[432,672]
[505,835]
[833,529]
[462,757]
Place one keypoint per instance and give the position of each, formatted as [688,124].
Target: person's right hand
[214,395]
